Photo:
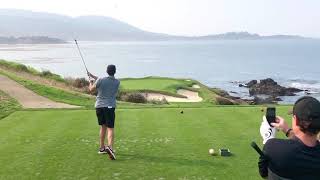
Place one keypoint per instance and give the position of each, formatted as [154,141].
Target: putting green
[155,83]
[150,144]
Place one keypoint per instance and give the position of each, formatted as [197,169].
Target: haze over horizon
[191,17]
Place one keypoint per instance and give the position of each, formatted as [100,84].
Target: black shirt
[290,158]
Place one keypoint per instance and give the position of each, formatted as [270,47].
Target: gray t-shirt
[107,88]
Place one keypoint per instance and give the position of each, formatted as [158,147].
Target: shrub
[49,75]
[77,82]
[21,67]
[121,95]
[134,98]
[80,83]
[18,67]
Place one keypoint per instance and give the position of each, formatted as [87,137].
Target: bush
[18,67]
[134,98]
[21,67]
[80,83]
[50,75]
[121,95]
[77,82]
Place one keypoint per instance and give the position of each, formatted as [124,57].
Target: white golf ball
[211,151]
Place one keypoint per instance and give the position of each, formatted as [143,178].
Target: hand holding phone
[271,115]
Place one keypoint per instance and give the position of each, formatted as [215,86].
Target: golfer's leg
[110,137]
[103,130]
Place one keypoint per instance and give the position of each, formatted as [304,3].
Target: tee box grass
[153,143]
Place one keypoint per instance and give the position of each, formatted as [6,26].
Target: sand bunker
[196,86]
[191,96]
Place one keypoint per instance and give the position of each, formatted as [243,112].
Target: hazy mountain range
[21,23]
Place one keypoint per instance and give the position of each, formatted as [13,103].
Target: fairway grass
[155,143]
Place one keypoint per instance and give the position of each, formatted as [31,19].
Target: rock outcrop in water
[270,87]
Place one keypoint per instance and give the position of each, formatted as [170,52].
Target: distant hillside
[31,40]
[20,23]
[246,36]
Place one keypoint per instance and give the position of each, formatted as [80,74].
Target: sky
[193,17]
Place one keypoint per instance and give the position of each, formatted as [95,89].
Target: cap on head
[111,70]
[307,111]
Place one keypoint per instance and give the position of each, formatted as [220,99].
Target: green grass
[52,93]
[21,67]
[79,99]
[61,144]
[155,84]
[168,86]
[7,105]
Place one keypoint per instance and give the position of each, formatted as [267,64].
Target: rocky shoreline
[265,91]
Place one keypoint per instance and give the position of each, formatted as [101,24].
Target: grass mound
[21,67]
[53,93]
[7,105]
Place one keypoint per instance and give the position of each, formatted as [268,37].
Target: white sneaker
[102,151]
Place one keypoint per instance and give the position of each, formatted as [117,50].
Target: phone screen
[271,115]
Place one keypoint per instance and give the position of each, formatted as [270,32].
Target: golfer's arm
[92,87]
[92,76]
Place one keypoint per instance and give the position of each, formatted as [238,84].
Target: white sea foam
[306,86]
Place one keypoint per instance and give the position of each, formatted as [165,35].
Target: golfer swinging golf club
[107,88]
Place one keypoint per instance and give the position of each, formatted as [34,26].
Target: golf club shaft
[84,63]
[256,147]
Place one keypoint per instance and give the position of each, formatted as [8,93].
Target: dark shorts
[106,116]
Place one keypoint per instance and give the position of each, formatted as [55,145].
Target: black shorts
[106,116]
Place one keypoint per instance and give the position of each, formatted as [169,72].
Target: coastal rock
[251,83]
[224,98]
[224,101]
[270,87]
[269,100]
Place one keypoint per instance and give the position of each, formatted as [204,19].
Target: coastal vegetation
[7,105]
[74,90]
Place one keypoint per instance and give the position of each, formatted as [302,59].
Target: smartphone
[271,115]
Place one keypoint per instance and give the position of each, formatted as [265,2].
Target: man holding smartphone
[299,156]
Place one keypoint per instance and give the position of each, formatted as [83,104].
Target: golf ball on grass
[211,151]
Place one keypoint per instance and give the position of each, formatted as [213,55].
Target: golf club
[256,147]
[84,63]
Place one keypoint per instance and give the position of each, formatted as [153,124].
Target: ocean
[222,64]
